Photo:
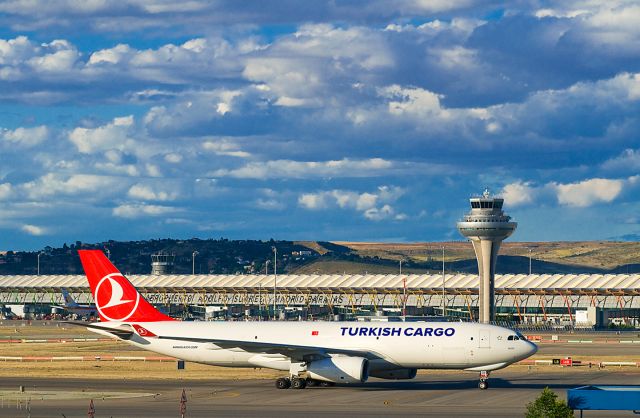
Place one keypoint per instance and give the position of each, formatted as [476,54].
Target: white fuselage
[420,345]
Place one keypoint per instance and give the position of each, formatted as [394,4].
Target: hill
[223,256]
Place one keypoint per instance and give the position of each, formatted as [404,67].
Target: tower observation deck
[486,226]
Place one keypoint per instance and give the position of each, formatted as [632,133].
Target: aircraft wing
[299,353]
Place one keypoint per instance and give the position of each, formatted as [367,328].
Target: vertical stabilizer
[116,298]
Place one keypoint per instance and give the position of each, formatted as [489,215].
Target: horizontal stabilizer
[123,332]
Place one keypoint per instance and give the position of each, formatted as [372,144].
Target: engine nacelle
[395,374]
[340,369]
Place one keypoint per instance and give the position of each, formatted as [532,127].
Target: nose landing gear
[484,377]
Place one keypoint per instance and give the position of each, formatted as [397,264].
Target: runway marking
[12,395]
[226,394]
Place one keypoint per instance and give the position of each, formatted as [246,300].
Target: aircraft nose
[532,348]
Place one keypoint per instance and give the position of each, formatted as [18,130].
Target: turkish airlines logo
[116,299]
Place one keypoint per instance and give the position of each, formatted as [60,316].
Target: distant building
[162,263]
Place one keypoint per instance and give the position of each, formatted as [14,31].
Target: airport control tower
[486,226]
[162,263]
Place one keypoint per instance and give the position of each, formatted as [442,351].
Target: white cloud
[173,158]
[34,230]
[5,190]
[62,58]
[382,213]
[313,201]
[153,170]
[146,192]
[299,70]
[56,184]
[118,169]
[628,160]
[142,210]
[413,101]
[26,137]
[588,192]
[225,147]
[112,55]
[114,135]
[269,204]
[308,169]
[518,193]
[366,203]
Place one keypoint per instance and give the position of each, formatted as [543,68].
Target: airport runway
[434,394]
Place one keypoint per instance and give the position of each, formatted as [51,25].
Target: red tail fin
[116,298]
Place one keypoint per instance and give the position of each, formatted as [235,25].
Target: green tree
[547,405]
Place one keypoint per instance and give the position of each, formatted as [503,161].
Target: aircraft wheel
[283,383]
[311,383]
[483,384]
[327,384]
[298,383]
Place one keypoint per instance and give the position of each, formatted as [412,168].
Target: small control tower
[486,226]
[162,263]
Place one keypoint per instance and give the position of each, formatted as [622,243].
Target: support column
[486,255]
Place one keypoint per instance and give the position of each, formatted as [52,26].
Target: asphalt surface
[434,394]
[588,349]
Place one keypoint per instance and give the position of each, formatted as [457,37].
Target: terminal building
[544,299]
[533,299]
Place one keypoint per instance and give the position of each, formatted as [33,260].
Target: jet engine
[395,374]
[340,369]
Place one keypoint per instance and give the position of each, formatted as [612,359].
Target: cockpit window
[514,338]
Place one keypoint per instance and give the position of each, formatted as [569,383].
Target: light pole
[404,298]
[529,261]
[259,301]
[275,278]
[400,266]
[39,254]
[444,306]
[266,273]
[193,262]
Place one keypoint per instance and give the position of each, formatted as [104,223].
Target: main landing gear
[300,383]
[484,377]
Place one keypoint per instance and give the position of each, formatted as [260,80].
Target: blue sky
[350,120]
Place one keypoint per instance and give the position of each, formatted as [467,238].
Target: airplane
[311,353]
[71,306]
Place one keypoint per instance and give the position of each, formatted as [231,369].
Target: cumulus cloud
[269,204]
[52,184]
[225,147]
[628,160]
[142,210]
[373,206]
[146,192]
[307,169]
[113,135]
[26,137]
[426,94]
[582,193]
[518,193]
[33,230]
[588,192]
[414,101]
[5,190]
